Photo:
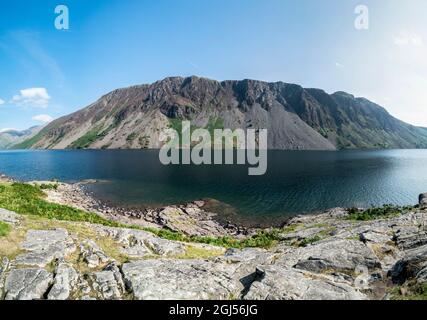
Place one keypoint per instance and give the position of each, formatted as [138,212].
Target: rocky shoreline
[190,219]
[328,256]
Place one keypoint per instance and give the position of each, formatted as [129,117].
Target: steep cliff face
[296,118]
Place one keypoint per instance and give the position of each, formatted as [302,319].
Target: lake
[296,181]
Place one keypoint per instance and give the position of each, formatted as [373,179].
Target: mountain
[296,118]
[8,138]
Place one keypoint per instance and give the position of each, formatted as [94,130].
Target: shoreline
[190,218]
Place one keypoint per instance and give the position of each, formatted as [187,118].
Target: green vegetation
[412,292]
[87,139]
[386,211]
[49,186]
[213,124]
[292,228]
[317,237]
[310,240]
[144,141]
[263,239]
[176,124]
[4,229]
[131,137]
[27,199]
[324,132]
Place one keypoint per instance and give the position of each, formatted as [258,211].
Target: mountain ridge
[297,118]
[11,137]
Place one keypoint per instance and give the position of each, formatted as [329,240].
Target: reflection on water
[296,181]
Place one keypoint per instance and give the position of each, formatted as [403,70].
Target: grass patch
[87,139]
[10,242]
[28,200]
[4,229]
[213,124]
[292,228]
[386,211]
[310,240]
[316,238]
[49,186]
[197,252]
[263,239]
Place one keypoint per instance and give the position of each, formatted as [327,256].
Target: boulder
[9,216]
[27,284]
[105,285]
[179,280]
[66,278]
[339,255]
[410,236]
[422,200]
[223,278]
[375,236]
[44,246]
[278,283]
[413,265]
[139,244]
[92,254]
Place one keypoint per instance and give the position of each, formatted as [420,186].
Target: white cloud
[32,97]
[406,39]
[43,118]
[2,101]
[339,65]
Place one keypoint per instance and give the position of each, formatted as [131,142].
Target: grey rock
[92,254]
[341,255]
[180,279]
[301,234]
[190,220]
[279,283]
[44,246]
[66,278]
[117,275]
[9,216]
[105,284]
[375,236]
[27,284]
[4,265]
[223,278]
[139,244]
[423,200]
[410,236]
[413,265]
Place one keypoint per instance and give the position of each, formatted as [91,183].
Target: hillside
[296,118]
[8,138]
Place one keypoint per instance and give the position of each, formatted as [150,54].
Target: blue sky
[46,73]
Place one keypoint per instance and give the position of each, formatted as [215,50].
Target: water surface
[296,181]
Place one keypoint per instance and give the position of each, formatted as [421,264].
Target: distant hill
[8,138]
[296,118]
